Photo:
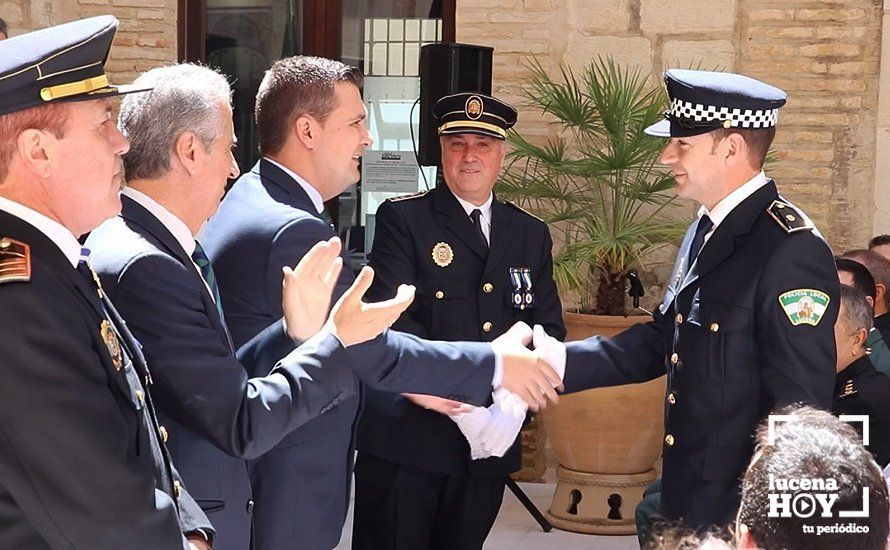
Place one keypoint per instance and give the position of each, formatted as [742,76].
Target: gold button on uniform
[4,243]
[163,431]
[679,318]
[669,440]
[487,287]
[177,488]
[675,358]
[486,326]
[715,327]
[672,398]
[440,294]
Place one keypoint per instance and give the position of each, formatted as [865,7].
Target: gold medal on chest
[442,254]
[112,343]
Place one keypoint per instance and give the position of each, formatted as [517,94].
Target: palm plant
[598,183]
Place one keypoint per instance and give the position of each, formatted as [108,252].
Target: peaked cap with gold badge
[701,101]
[61,63]
[473,113]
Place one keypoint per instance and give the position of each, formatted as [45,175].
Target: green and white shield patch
[804,306]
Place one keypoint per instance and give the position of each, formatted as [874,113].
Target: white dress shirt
[314,195]
[485,218]
[60,235]
[722,209]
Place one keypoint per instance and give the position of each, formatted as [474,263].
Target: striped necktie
[203,262]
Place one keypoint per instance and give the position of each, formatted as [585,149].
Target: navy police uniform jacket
[749,329]
[463,293]
[301,488]
[213,414]
[82,461]
[860,389]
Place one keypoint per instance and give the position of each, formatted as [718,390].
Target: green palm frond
[598,184]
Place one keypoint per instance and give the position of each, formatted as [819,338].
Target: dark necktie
[704,226]
[83,267]
[476,216]
[203,262]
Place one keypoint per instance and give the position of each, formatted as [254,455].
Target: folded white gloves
[492,431]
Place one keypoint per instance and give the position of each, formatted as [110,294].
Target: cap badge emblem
[473,107]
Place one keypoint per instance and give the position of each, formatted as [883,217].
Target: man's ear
[880,293]
[185,150]
[736,149]
[745,538]
[36,150]
[305,129]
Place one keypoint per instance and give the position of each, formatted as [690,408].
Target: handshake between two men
[525,379]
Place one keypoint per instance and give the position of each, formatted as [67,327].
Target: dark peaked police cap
[61,63]
[701,101]
[474,113]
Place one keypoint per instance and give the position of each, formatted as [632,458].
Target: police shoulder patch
[15,261]
[788,217]
[804,306]
[408,197]
[523,210]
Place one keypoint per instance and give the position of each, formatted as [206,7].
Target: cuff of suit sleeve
[498,377]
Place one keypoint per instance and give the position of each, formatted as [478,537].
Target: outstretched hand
[306,289]
[354,321]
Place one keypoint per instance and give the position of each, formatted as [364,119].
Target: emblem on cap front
[442,254]
[473,108]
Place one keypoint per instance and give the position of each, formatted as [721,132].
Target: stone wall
[824,54]
[145,38]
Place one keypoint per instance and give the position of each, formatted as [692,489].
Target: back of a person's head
[860,275]
[878,240]
[877,265]
[678,538]
[799,460]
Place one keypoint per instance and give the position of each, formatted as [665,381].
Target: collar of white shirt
[314,195]
[485,208]
[174,225]
[722,209]
[54,231]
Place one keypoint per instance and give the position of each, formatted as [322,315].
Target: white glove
[471,425]
[550,350]
[507,415]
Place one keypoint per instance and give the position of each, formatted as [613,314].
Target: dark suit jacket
[453,303]
[214,413]
[860,389]
[301,488]
[730,351]
[81,461]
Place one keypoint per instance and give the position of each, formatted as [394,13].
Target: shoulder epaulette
[408,197]
[523,210]
[15,261]
[788,217]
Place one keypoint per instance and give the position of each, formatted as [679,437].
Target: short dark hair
[297,86]
[817,446]
[878,240]
[862,279]
[877,265]
[4,28]
[758,140]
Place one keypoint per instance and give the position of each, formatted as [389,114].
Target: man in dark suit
[480,265]
[82,458]
[860,389]
[152,266]
[310,117]
[747,320]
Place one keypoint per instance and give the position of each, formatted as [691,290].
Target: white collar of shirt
[485,208]
[314,195]
[60,235]
[174,225]
[722,209]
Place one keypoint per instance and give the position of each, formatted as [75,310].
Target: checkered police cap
[701,101]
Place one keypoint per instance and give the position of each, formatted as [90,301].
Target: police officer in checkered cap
[746,323]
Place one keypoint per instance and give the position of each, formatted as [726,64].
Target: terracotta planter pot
[606,441]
